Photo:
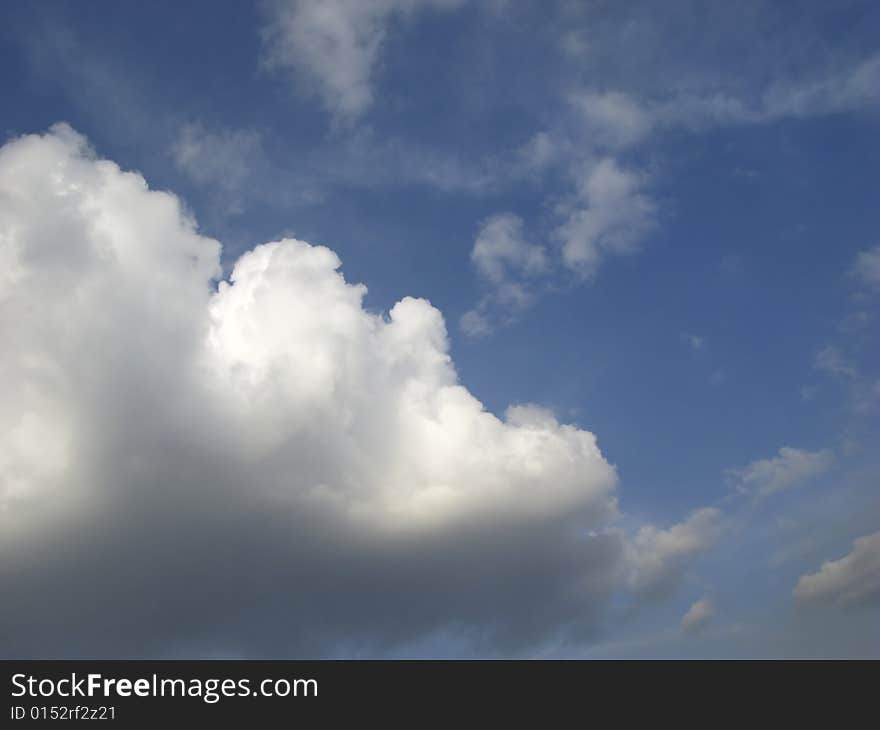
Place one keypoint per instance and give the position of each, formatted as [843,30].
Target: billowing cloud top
[108,284]
[260,466]
[373,406]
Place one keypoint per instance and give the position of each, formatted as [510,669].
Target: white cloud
[610,212]
[506,262]
[863,387]
[867,267]
[610,217]
[537,154]
[621,119]
[225,159]
[285,343]
[850,581]
[839,91]
[611,119]
[790,468]
[216,156]
[698,616]
[263,467]
[501,252]
[475,323]
[287,311]
[334,45]
[658,556]
[831,361]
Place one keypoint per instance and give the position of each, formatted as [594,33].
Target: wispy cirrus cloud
[788,469]
[609,210]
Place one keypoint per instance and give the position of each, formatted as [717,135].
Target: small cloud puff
[789,468]
[853,580]
[697,617]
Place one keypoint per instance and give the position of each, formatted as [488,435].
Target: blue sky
[662,226]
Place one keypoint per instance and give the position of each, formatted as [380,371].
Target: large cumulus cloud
[260,466]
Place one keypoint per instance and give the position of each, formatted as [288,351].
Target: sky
[439,328]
